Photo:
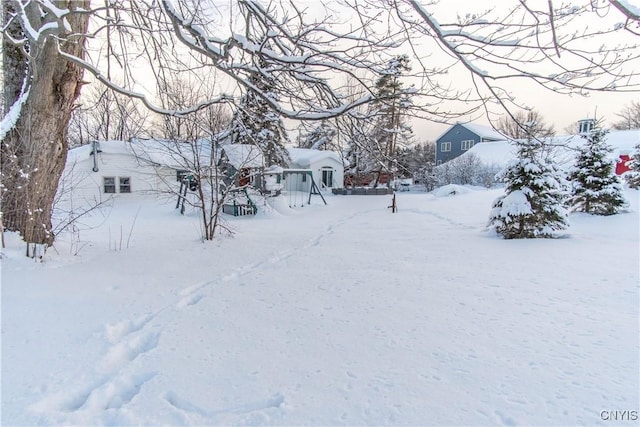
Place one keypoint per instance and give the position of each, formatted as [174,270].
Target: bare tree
[523,124]
[206,183]
[194,142]
[179,93]
[106,115]
[629,117]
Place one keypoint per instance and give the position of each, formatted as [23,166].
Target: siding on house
[460,138]
[449,145]
[116,166]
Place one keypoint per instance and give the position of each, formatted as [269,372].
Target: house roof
[501,152]
[171,154]
[243,155]
[484,132]
[304,157]
[158,152]
[84,151]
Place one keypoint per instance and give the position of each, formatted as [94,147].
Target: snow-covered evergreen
[256,122]
[633,176]
[321,137]
[391,130]
[533,203]
[595,188]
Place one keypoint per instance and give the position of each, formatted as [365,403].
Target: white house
[144,166]
[326,169]
[118,168]
[106,169]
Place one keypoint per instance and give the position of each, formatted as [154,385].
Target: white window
[467,144]
[445,146]
[125,184]
[109,184]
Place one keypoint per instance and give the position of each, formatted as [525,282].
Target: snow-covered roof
[166,153]
[304,157]
[484,132]
[170,153]
[274,169]
[243,155]
[493,152]
[83,152]
[501,152]
[158,152]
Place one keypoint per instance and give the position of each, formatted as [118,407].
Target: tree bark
[34,152]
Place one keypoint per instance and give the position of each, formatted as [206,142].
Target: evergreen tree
[320,137]
[417,162]
[359,157]
[256,123]
[391,130]
[596,189]
[633,176]
[533,203]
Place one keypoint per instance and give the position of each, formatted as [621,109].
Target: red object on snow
[621,164]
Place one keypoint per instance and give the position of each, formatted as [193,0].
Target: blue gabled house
[461,137]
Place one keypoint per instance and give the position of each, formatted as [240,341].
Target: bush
[466,170]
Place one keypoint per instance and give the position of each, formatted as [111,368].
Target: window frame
[124,187]
[469,142]
[445,147]
[109,186]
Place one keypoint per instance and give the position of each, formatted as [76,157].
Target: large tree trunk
[34,152]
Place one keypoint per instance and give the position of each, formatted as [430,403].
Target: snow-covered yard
[343,314]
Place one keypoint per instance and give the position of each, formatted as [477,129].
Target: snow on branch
[299,67]
[132,94]
[54,19]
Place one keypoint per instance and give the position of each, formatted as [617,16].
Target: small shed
[326,169]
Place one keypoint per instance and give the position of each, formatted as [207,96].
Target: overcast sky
[560,110]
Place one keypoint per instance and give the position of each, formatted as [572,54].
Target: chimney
[585,126]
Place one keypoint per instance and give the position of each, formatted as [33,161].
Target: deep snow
[344,314]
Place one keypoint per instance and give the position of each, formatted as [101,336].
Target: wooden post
[393,206]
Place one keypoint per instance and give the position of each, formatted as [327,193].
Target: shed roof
[243,155]
[304,157]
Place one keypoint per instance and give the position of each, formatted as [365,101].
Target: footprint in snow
[189,300]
